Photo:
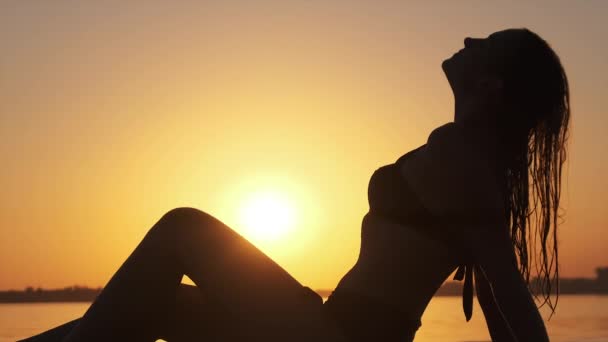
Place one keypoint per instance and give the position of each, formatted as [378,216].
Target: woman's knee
[185,214]
[183,222]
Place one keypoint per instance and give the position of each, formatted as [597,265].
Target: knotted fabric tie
[465,271]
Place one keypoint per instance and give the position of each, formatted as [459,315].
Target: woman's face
[474,70]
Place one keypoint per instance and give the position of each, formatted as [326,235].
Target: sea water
[577,319]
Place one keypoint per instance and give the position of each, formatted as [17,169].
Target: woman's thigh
[194,319]
[244,293]
[250,295]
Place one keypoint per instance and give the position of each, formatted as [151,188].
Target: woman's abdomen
[399,265]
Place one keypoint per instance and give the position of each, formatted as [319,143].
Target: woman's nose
[473,42]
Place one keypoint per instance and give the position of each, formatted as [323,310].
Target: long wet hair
[536,127]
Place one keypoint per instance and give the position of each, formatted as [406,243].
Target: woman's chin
[447,64]
[448,67]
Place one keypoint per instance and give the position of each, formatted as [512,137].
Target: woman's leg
[133,302]
[250,295]
[185,320]
[55,334]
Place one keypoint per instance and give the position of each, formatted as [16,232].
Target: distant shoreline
[39,295]
[76,294]
[323,291]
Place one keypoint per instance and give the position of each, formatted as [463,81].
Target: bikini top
[391,197]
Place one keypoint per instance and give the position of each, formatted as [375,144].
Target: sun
[267,216]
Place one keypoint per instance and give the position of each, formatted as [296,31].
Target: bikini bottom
[363,318]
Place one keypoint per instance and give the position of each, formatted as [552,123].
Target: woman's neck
[489,140]
[484,133]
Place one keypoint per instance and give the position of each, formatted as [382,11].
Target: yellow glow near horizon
[267,216]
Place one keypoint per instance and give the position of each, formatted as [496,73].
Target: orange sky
[112,114]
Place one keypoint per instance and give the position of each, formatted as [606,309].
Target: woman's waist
[408,290]
[362,317]
[399,265]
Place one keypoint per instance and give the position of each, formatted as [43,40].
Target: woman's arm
[497,325]
[453,179]
[497,264]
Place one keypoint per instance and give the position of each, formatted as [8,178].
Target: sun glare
[267,216]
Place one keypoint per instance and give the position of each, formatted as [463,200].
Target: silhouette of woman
[480,197]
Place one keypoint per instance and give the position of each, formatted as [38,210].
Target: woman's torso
[407,252]
[401,261]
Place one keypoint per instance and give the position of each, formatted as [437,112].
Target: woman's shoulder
[449,130]
[447,146]
[452,141]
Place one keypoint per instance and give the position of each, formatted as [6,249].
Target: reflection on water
[23,320]
[578,318]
